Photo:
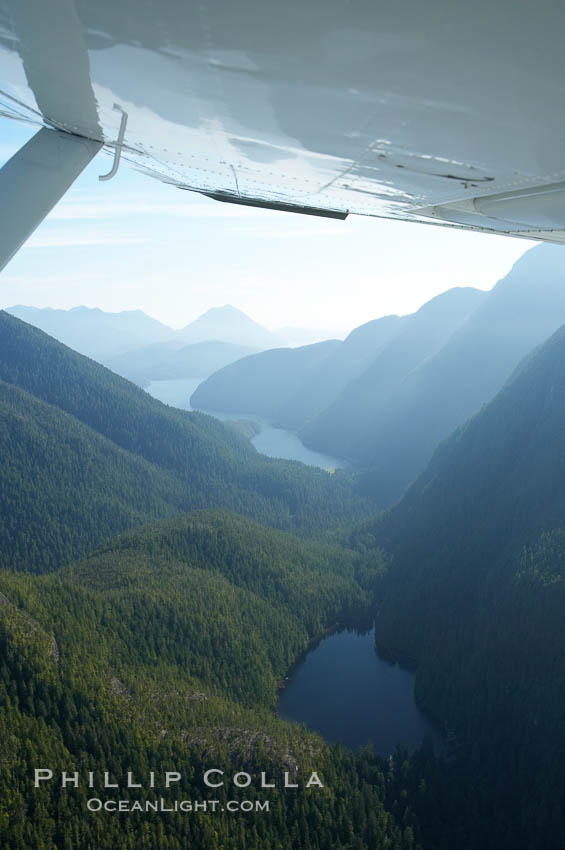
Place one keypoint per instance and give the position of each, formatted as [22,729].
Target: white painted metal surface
[33,180]
[415,110]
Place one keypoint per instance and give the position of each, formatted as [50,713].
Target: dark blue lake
[344,691]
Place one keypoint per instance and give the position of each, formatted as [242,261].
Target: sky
[135,243]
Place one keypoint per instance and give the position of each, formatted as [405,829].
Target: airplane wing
[444,111]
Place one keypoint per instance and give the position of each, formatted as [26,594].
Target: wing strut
[34,179]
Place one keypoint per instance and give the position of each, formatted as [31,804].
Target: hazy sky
[135,243]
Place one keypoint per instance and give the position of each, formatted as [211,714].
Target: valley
[270,441]
[163,571]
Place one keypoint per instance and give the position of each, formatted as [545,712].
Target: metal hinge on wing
[118,146]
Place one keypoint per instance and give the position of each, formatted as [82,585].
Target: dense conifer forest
[163,650]
[165,646]
[474,594]
[158,579]
[87,454]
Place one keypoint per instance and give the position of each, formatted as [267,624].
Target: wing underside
[450,114]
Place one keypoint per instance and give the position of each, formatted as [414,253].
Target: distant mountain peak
[227,311]
[226,308]
[229,324]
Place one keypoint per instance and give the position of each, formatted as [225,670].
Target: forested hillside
[163,651]
[108,456]
[159,633]
[295,387]
[262,383]
[313,392]
[385,397]
[290,386]
[474,593]
[347,423]
[392,428]
[65,487]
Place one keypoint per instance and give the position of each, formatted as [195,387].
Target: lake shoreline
[315,641]
[344,690]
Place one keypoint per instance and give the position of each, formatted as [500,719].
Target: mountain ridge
[294,389]
[474,594]
[187,460]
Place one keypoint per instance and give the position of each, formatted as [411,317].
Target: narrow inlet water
[270,441]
